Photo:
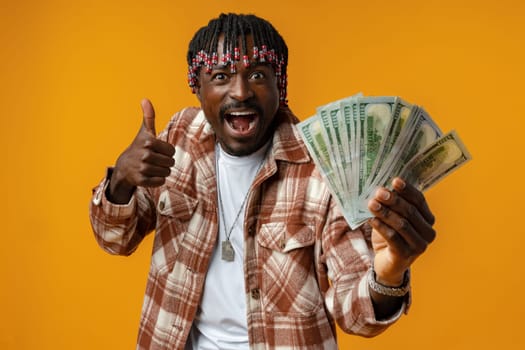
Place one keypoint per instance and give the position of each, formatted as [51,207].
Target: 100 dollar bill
[312,134]
[436,161]
[360,143]
[419,132]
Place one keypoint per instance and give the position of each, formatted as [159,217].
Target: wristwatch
[377,287]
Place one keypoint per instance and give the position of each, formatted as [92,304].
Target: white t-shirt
[221,319]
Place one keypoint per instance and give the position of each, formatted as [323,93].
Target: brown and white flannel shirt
[304,267]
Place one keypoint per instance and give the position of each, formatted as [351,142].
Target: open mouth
[241,122]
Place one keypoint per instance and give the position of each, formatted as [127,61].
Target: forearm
[387,296]
[355,307]
[385,306]
[352,306]
[119,228]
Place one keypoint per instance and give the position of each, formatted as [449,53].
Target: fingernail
[375,205]
[384,195]
[400,183]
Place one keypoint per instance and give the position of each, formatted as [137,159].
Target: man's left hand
[402,230]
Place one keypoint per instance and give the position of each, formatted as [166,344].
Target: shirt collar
[287,143]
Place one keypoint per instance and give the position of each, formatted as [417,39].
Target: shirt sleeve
[119,228]
[348,256]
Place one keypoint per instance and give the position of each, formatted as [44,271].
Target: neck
[227,152]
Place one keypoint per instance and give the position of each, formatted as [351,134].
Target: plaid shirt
[304,267]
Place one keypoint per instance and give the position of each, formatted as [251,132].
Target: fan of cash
[360,143]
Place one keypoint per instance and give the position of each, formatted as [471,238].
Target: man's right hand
[146,162]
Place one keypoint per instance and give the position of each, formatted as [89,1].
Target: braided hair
[269,47]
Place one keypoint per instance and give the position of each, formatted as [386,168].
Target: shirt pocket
[286,257]
[174,213]
[176,204]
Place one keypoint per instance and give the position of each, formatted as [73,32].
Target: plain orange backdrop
[73,73]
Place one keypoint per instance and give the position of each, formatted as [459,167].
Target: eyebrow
[219,66]
[222,66]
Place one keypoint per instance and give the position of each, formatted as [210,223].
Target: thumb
[148,113]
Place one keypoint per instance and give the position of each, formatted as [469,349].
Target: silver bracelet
[377,287]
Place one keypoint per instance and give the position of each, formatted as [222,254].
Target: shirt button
[98,197]
[282,243]
[161,205]
[255,293]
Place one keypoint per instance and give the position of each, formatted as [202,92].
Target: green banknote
[438,160]
[311,131]
[375,115]
[419,132]
[401,112]
[336,136]
[360,143]
[349,112]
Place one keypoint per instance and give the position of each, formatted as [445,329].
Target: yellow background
[72,75]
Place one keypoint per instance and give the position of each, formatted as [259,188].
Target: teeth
[240,113]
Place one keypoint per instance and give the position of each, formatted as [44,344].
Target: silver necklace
[227,252]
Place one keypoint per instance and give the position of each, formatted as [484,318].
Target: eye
[218,76]
[257,75]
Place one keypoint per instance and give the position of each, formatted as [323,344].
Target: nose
[240,88]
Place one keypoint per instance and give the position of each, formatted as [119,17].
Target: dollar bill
[311,131]
[438,160]
[348,109]
[360,143]
[357,150]
[312,134]
[378,118]
[374,118]
[335,135]
[401,112]
[419,132]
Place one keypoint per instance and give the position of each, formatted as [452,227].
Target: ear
[198,92]
[197,89]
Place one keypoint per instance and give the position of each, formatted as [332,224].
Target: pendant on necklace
[227,253]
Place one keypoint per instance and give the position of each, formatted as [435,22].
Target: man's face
[240,106]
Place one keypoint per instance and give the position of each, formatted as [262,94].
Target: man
[250,249]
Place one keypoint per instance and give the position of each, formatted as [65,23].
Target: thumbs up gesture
[146,162]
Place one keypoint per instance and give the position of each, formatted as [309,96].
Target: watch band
[377,287]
